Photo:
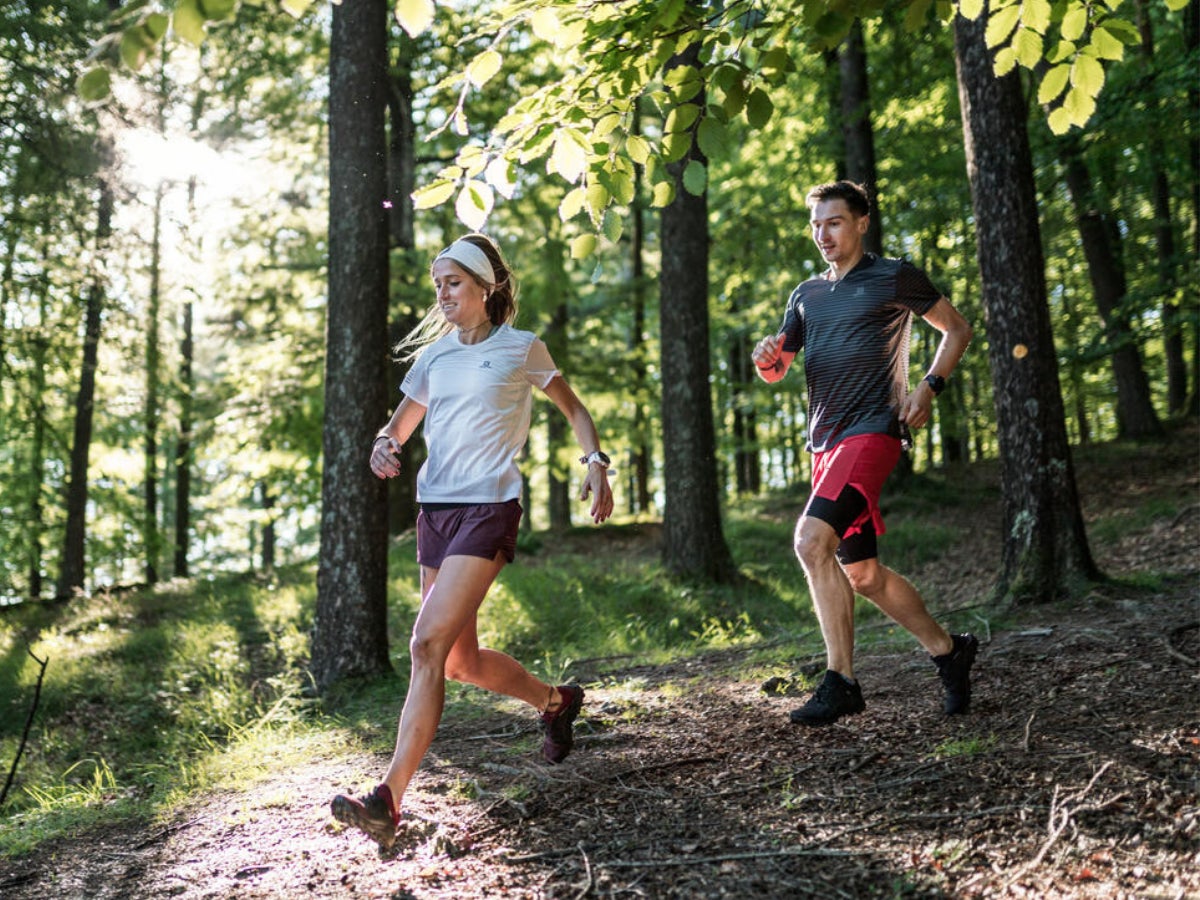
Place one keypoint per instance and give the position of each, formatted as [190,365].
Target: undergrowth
[153,696]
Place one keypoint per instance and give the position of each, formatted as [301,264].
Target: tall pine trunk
[350,633]
[1045,548]
[71,577]
[151,412]
[693,542]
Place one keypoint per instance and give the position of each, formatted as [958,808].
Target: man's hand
[767,351]
[917,407]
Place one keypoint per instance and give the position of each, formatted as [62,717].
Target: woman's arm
[596,481]
[392,436]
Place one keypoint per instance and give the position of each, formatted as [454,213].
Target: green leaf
[1063,52]
[1001,24]
[918,12]
[483,67]
[568,158]
[735,99]
[638,148]
[94,85]
[681,118]
[759,108]
[971,8]
[614,225]
[134,51]
[623,187]
[1027,46]
[1176,5]
[605,126]
[546,25]
[662,195]
[695,178]
[1036,14]
[1005,61]
[775,61]
[572,204]
[710,135]
[502,175]
[1106,44]
[295,8]
[597,198]
[414,16]
[583,246]
[1079,106]
[156,26]
[1087,75]
[675,146]
[1074,23]
[218,10]
[1053,83]
[474,204]
[1124,31]
[669,11]
[188,23]
[434,194]
[1060,121]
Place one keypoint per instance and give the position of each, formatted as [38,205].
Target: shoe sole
[571,713]
[348,812]
[798,719]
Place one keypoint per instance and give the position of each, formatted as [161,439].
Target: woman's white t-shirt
[478,401]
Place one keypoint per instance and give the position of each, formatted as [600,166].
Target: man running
[853,323]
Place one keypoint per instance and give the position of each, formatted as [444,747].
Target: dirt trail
[1075,775]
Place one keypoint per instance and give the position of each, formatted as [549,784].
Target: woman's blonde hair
[501,303]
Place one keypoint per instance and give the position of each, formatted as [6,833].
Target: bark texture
[693,542]
[350,634]
[1045,548]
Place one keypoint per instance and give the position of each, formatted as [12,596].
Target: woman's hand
[385,459]
[596,484]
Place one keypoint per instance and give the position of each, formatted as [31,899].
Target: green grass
[152,697]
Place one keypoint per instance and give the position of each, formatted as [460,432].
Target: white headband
[470,257]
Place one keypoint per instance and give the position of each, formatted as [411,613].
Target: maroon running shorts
[477,529]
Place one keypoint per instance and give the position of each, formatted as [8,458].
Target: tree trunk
[151,411]
[1101,239]
[402,168]
[183,447]
[1191,38]
[350,632]
[693,542]
[1045,548]
[71,574]
[37,454]
[639,454]
[555,336]
[857,134]
[1164,228]
[746,464]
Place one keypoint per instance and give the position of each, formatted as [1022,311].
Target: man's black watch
[936,383]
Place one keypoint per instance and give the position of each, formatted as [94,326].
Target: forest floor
[1074,775]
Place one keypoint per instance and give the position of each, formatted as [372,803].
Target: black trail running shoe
[954,668]
[560,737]
[834,697]
[372,813]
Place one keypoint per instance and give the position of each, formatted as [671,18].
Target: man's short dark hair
[855,195]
